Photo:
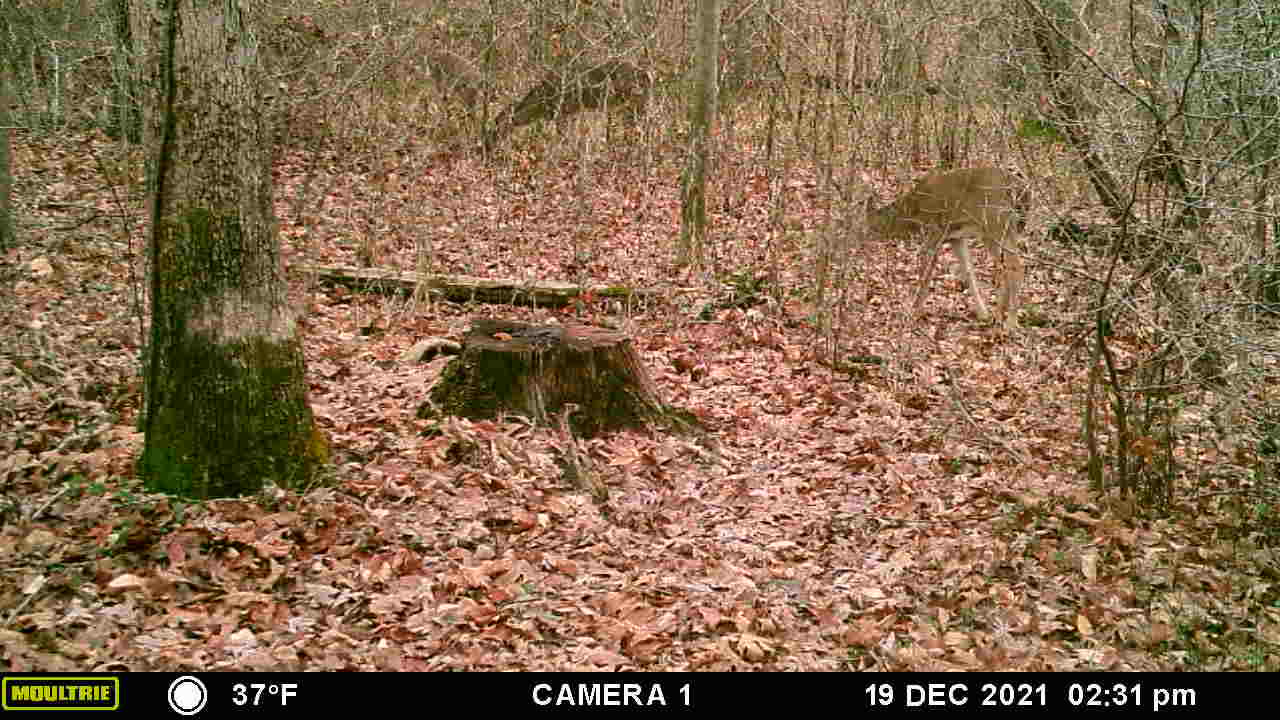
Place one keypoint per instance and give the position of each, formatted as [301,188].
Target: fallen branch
[464,288]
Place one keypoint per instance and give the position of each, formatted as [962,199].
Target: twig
[23,605]
[51,501]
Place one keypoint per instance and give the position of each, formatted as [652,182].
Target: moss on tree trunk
[234,414]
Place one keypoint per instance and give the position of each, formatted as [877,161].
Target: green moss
[482,385]
[233,416]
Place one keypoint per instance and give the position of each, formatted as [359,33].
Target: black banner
[311,694]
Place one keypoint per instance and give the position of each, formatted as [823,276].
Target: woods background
[1095,490]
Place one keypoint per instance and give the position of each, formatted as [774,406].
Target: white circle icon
[187,695]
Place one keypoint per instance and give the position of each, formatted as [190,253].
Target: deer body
[456,76]
[956,207]
[610,84]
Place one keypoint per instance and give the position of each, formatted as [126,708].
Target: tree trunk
[693,225]
[1052,24]
[226,388]
[536,371]
[126,112]
[7,239]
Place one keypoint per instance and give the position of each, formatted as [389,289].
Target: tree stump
[534,371]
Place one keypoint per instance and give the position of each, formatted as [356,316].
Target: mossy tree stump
[534,371]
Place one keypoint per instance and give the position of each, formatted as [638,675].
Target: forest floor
[927,511]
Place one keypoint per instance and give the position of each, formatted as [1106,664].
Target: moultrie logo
[61,692]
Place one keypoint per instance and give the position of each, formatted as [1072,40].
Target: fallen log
[465,288]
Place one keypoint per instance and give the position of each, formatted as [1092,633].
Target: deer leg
[1010,283]
[928,262]
[960,246]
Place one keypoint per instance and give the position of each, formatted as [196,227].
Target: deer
[456,76]
[955,207]
[612,84]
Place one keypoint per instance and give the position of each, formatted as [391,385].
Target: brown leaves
[919,512]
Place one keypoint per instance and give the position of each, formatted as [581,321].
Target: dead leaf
[1089,565]
[1083,625]
[126,582]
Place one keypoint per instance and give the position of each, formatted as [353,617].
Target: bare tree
[693,227]
[6,166]
[1056,32]
[1171,108]
[226,402]
[125,106]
